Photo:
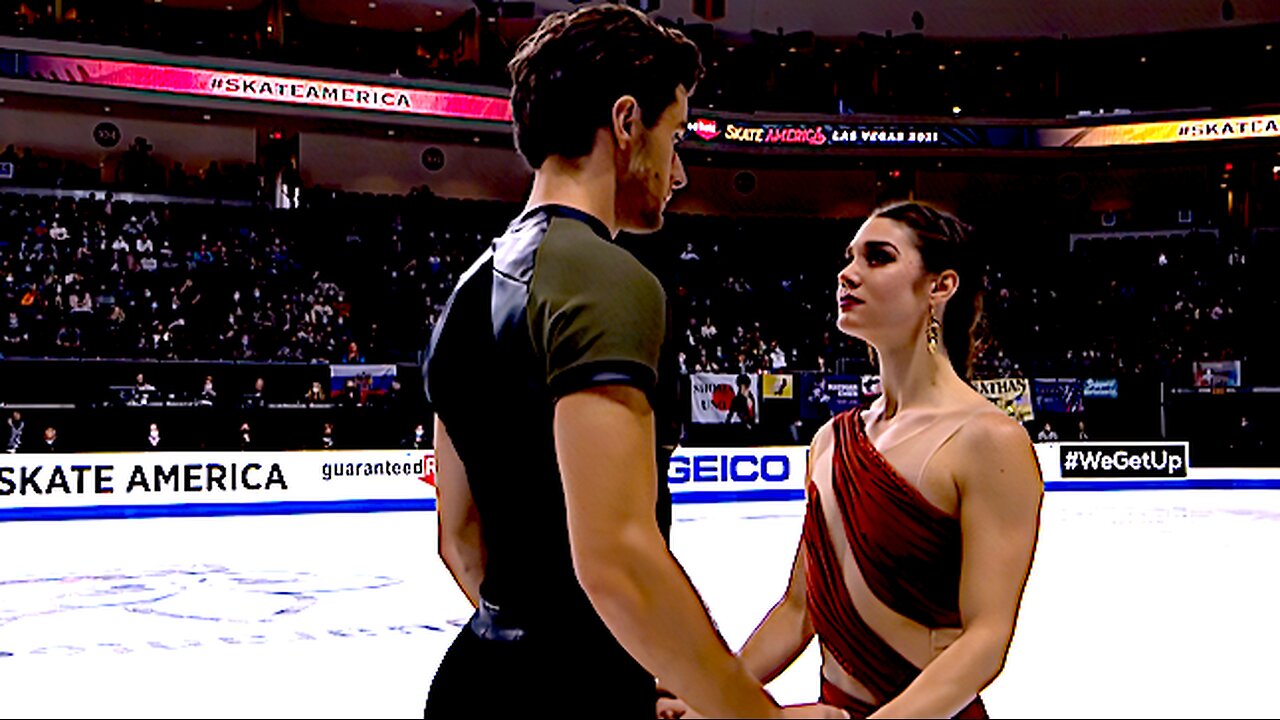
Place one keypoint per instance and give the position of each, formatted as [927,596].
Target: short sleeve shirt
[552,308]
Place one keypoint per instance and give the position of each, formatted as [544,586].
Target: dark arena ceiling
[987,19]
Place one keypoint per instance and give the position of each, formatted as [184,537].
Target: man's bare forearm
[649,604]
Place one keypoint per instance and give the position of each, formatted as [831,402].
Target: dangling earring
[933,333]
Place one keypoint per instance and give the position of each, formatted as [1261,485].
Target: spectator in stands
[179,182]
[137,168]
[17,426]
[142,391]
[416,440]
[207,394]
[352,356]
[1081,434]
[68,340]
[256,397]
[1245,443]
[1047,433]
[15,335]
[777,357]
[245,438]
[213,178]
[153,440]
[315,394]
[291,185]
[351,394]
[394,398]
[326,437]
[49,441]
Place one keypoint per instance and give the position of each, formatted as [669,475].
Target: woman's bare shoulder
[823,437]
[989,429]
[993,444]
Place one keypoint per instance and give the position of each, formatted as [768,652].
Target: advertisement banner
[1136,460]
[778,387]
[1102,388]
[712,398]
[823,395]
[1057,395]
[30,483]
[1013,395]
[253,86]
[813,396]
[738,473]
[1217,373]
[870,388]
[715,131]
[727,132]
[1170,131]
[42,487]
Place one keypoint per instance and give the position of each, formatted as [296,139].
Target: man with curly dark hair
[551,378]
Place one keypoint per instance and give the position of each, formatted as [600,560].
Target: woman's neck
[911,378]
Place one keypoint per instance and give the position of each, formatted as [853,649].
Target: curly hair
[567,75]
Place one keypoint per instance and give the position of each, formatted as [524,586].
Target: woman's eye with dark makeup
[876,256]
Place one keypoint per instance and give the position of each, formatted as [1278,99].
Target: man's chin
[645,225]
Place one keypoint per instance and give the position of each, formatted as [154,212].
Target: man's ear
[625,118]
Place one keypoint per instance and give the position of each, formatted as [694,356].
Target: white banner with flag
[713,393]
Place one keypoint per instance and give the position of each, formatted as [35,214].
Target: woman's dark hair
[567,75]
[945,243]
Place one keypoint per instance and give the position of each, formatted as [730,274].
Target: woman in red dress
[922,509]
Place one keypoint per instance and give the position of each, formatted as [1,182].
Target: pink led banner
[257,87]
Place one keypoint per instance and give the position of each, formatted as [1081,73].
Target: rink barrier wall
[37,487]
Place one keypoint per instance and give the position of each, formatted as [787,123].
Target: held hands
[813,710]
[671,708]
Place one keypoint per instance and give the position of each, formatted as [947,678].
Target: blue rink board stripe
[108,512]
[1170,484]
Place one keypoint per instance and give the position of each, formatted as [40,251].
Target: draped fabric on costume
[906,549]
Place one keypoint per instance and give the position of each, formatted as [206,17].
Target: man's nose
[678,177]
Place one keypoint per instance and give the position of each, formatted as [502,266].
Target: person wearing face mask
[417,440]
[316,394]
[923,509]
